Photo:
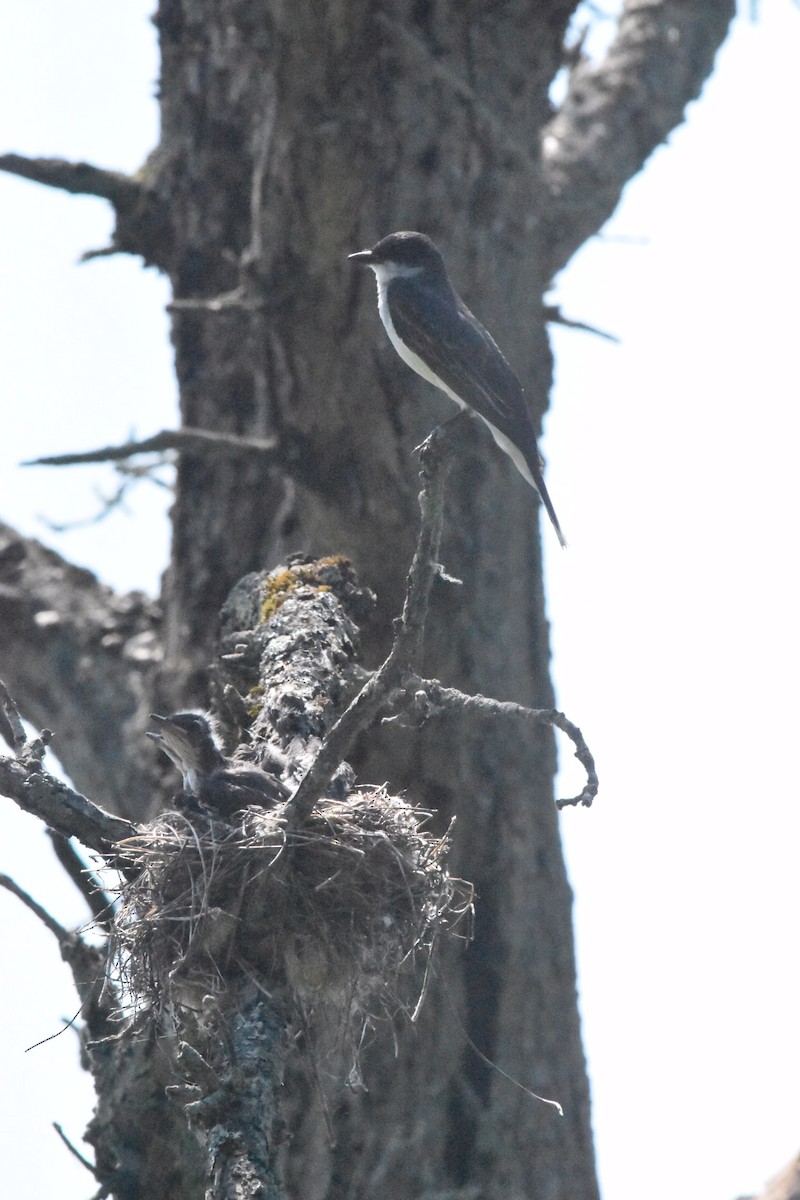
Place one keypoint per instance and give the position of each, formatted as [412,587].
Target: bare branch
[69,814]
[66,812]
[143,219]
[100,252]
[202,441]
[83,1161]
[431,700]
[86,962]
[615,114]
[58,806]
[554,315]
[129,475]
[44,916]
[79,178]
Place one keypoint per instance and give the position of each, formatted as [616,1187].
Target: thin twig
[554,315]
[437,699]
[254,252]
[202,441]
[44,916]
[236,298]
[129,475]
[86,962]
[84,1161]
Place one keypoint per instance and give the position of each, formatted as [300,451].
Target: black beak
[163,720]
[363,256]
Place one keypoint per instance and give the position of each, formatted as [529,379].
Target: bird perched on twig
[433,331]
[219,784]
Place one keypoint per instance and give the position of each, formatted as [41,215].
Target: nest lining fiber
[334,911]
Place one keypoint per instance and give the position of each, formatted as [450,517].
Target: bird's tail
[541,488]
[530,467]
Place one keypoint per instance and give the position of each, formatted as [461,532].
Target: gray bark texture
[293,134]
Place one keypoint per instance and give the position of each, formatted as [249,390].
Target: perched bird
[219,784]
[433,331]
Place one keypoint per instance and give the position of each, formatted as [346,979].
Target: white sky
[674,611]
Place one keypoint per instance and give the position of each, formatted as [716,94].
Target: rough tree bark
[291,135]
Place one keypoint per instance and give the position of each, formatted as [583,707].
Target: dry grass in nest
[332,912]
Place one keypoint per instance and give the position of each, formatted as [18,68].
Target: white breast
[384,273]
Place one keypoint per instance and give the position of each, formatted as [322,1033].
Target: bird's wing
[456,347]
[233,788]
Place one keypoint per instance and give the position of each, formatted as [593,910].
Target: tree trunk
[313,134]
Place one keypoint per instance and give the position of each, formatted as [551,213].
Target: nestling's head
[189,740]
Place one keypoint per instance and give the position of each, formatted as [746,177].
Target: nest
[334,912]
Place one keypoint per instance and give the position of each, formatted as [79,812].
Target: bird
[435,333]
[219,784]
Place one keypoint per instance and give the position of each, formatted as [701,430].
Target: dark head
[408,253]
[188,739]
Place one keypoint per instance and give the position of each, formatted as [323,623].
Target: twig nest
[332,911]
